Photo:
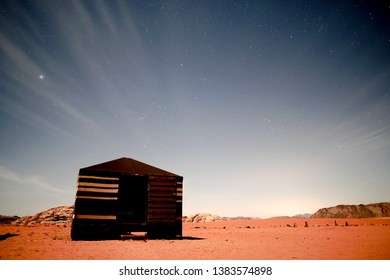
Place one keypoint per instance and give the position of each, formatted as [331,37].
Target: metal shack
[125,195]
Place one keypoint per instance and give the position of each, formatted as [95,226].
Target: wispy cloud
[39,182]
[8,175]
[56,102]
[32,181]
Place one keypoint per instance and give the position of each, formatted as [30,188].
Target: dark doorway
[132,199]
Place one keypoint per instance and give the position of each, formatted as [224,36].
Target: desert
[219,239]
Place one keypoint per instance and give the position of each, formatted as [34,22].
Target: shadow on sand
[192,238]
[7,235]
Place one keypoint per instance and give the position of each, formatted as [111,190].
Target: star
[41,77]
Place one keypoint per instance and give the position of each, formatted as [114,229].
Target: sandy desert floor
[269,239]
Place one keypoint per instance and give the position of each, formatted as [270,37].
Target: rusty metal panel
[162,200]
[163,181]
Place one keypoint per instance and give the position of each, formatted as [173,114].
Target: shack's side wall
[165,206]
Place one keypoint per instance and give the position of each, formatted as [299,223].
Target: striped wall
[96,197]
[165,200]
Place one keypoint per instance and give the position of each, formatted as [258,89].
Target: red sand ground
[269,239]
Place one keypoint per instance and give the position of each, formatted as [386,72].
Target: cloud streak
[28,183]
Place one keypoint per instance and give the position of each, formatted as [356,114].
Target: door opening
[133,199]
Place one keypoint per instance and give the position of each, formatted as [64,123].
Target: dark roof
[128,166]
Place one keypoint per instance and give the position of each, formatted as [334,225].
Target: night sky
[265,108]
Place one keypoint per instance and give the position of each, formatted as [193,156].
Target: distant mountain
[299,216]
[241,218]
[306,215]
[374,210]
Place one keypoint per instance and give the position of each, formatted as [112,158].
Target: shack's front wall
[102,202]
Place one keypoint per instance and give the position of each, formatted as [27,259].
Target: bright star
[41,77]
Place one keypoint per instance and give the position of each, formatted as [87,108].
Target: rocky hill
[201,217]
[8,219]
[207,217]
[56,215]
[374,210]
